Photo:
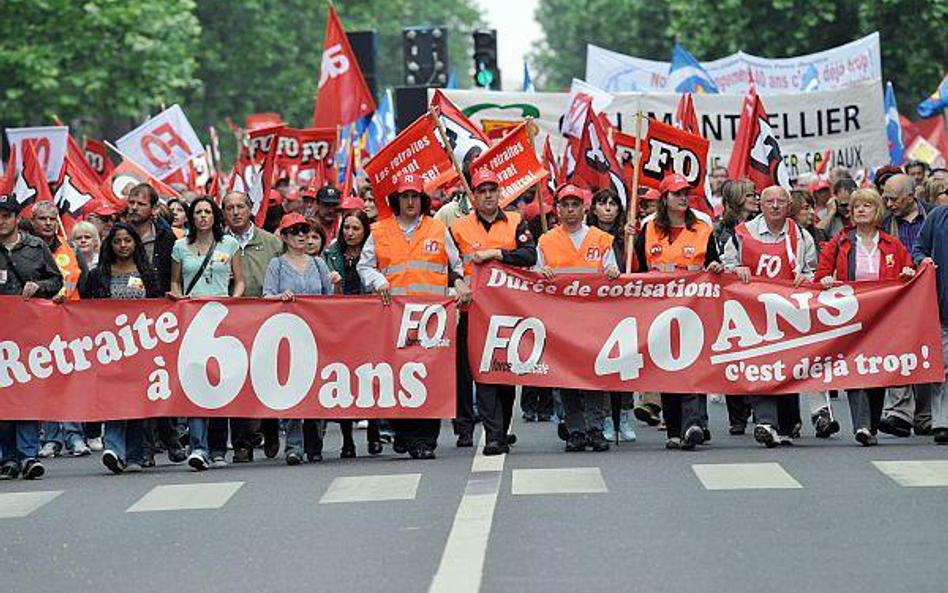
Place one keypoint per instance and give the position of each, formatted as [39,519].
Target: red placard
[113,359]
[666,149]
[701,333]
[305,148]
[515,163]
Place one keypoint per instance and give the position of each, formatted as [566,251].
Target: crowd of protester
[315,241]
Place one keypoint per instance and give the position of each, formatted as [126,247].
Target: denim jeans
[940,393]
[294,434]
[585,410]
[126,439]
[197,434]
[65,434]
[19,441]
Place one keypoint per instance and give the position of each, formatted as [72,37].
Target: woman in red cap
[676,240]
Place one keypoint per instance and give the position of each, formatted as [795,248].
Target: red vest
[770,260]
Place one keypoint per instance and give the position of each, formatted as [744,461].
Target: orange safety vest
[471,236]
[685,253]
[69,267]
[560,255]
[416,266]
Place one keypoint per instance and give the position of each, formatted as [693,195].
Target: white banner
[849,121]
[162,144]
[50,147]
[839,67]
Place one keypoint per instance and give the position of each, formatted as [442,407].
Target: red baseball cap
[290,220]
[673,182]
[572,191]
[309,192]
[410,182]
[818,185]
[352,203]
[106,208]
[482,176]
[651,195]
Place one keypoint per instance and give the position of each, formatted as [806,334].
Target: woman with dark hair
[676,240]
[608,214]
[203,264]
[342,257]
[315,238]
[123,272]
[178,216]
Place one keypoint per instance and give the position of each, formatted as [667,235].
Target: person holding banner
[203,264]
[409,254]
[861,254]
[485,235]
[674,240]
[573,247]
[27,269]
[124,272]
[772,246]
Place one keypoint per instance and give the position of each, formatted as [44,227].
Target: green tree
[102,64]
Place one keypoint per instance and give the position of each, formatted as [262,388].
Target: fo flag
[515,163]
[343,96]
[49,142]
[756,154]
[596,162]
[305,148]
[416,150]
[162,144]
[466,140]
[666,149]
[126,176]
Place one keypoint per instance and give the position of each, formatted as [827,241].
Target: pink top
[868,258]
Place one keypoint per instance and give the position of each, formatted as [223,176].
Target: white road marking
[915,474]
[181,497]
[21,504]
[744,476]
[561,480]
[462,562]
[372,488]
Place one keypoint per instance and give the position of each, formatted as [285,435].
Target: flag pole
[468,194]
[538,196]
[632,213]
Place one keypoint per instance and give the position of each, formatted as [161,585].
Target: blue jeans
[940,393]
[19,441]
[294,434]
[197,434]
[126,438]
[64,434]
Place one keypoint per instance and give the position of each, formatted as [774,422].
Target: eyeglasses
[300,229]
[890,198]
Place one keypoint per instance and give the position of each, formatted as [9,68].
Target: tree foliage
[914,43]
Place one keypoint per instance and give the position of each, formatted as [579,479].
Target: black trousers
[681,411]
[738,410]
[414,433]
[166,431]
[780,411]
[536,400]
[464,420]
[495,404]
[372,433]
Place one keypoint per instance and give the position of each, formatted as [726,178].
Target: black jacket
[99,287]
[161,264]
[30,260]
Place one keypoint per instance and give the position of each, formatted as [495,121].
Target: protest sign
[515,163]
[49,142]
[162,144]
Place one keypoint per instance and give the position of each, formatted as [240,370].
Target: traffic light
[486,71]
[426,56]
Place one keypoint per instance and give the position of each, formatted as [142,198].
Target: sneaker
[148,461]
[465,440]
[673,443]
[293,458]
[243,455]
[198,461]
[648,414]
[496,448]
[608,429]
[422,452]
[824,425]
[895,426]
[80,449]
[626,432]
[864,437]
[941,436]
[737,430]
[694,436]
[576,442]
[177,454]
[134,468]
[218,462]
[375,447]
[529,417]
[786,441]
[49,450]
[111,460]
[33,470]
[597,442]
[766,435]
[9,472]
[271,447]
[95,444]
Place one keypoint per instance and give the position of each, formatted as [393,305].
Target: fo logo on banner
[335,64]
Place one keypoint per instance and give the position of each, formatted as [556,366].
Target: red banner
[701,333]
[98,360]
[515,163]
[666,149]
[305,148]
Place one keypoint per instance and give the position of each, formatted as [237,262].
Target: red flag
[97,155]
[467,141]
[568,161]
[515,163]
[548,191]
[9,174]
[29,183]
[79,193]
[126,176]
[756,154]
[596,162]
[685,117]
[253,179]
[343,97]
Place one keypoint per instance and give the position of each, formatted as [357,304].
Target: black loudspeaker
[365,45]
[411,102]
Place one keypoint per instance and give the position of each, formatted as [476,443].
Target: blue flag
[452,80]
[811,80]
[381,129]
[527,81]
[937,102]
[893,127]
[686,75]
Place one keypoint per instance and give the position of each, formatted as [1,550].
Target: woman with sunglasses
[296,273]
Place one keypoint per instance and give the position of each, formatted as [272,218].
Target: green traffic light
[485,78]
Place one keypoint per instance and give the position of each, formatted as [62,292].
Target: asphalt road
[818,516]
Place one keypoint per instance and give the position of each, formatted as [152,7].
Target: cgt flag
[466,140]
[343,96]
[596,162]
[79,191]
[515,163]
[756,154]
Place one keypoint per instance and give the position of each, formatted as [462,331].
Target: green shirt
[215,279]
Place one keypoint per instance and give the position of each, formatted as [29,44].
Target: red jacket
[839,257]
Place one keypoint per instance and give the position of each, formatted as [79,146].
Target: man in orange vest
[412,254]
[573,247]
[485,235]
